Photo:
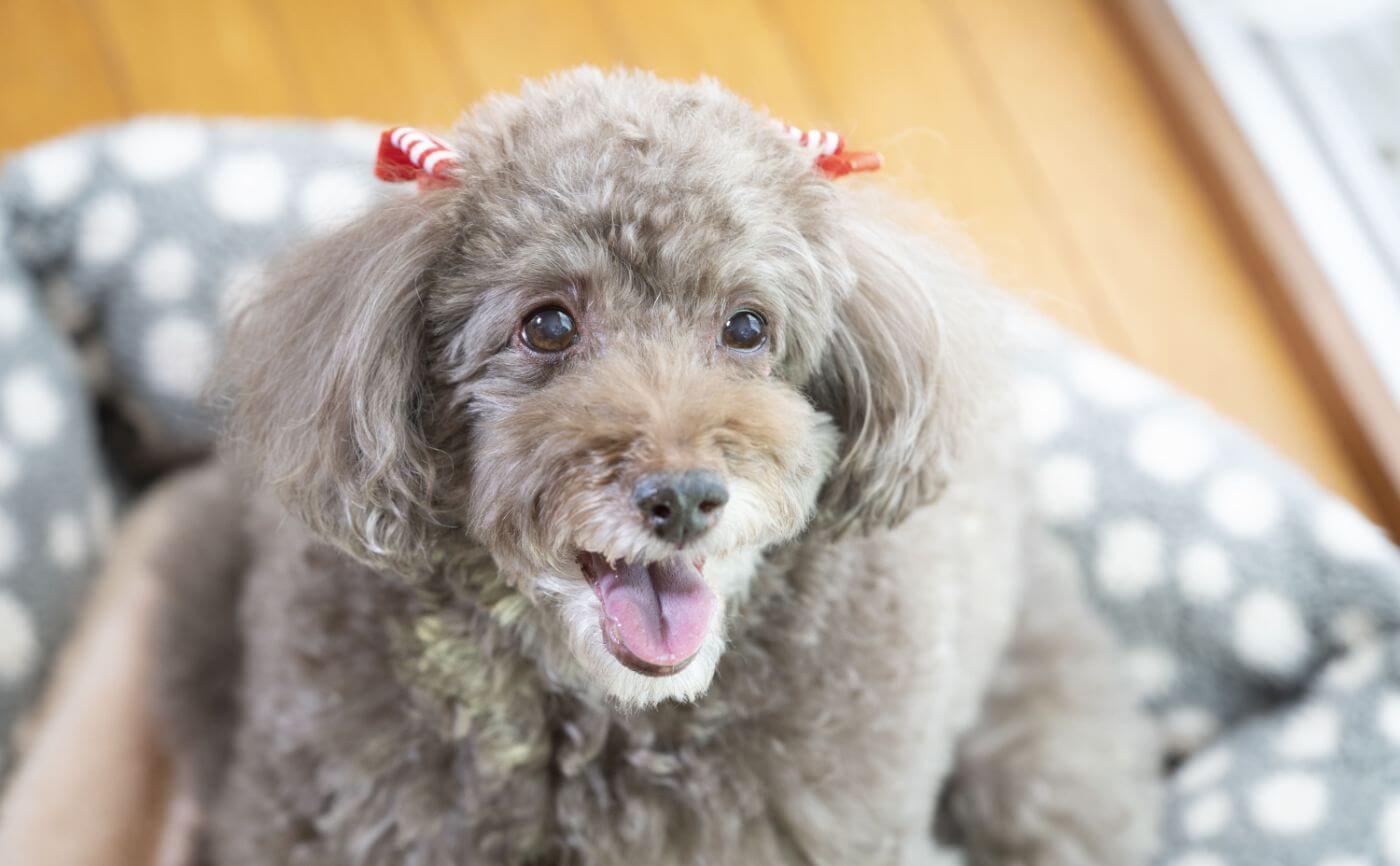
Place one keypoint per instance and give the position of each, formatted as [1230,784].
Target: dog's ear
[325,371]
[903,371]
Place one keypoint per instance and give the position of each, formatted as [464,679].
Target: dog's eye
[549,329]
[745,331]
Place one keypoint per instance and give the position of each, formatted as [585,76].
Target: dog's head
[638,343]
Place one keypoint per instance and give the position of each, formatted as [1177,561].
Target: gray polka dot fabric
[122,250]
[1259,615]
[55,499]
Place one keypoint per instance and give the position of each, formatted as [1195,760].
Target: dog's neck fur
[448,652]
[483,662]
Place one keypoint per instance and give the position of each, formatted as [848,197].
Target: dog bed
[1259,615]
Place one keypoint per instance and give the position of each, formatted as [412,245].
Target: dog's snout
[680,506]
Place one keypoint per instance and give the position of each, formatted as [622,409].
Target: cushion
[1259,615]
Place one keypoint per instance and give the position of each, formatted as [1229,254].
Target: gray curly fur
[421,677]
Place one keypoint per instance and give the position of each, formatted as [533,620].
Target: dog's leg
[199,565]
[1061,769]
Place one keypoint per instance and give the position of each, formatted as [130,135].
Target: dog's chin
[633,689]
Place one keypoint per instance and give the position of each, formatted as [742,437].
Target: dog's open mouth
[654,616]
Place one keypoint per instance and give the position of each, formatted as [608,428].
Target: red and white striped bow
[829,152]
[406,154]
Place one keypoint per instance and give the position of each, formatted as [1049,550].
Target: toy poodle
[638,495]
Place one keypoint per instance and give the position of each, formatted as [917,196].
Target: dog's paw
[1062,768]
[1038,805]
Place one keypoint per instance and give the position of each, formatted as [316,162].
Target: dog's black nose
[680,507]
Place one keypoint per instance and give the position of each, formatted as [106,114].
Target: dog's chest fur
[377,730]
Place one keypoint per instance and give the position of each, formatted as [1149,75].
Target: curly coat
[416,674]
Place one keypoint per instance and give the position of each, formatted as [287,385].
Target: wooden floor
[1026,120]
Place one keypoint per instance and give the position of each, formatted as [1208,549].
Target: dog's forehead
[684,185]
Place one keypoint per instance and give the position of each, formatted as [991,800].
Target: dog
[640,496]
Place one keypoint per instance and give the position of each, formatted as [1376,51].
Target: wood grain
[1144,221]
[1028,124]
[901,87]
[54,74]
[369,60]
[497,45]
[208,57]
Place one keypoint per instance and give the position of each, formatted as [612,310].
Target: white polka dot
[1203,770]
[1354,627]
[1357,668]
[1187,729]
[333,197]
[9,467]
[157,149]
[1044,408]
[1207,815]
[1390,830]
[1199,858]
[33,410]
[18,645]
[1171,448]
[1064,488]
[240,288]
[248,188]
[1129,557]
[57,171]
[166,271]
[178,351]
[1152,670]
[107,228]
[1110,382]
[1289,803]
[67,541]
[15,306]
[1311,735]
[1270,635]
[1244,504]
[10,544]
[1346,534]
[1204,572]
[1388,716]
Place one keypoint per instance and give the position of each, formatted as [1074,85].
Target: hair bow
[407,154]
[829,152]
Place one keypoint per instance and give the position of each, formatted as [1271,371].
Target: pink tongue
[661,612]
